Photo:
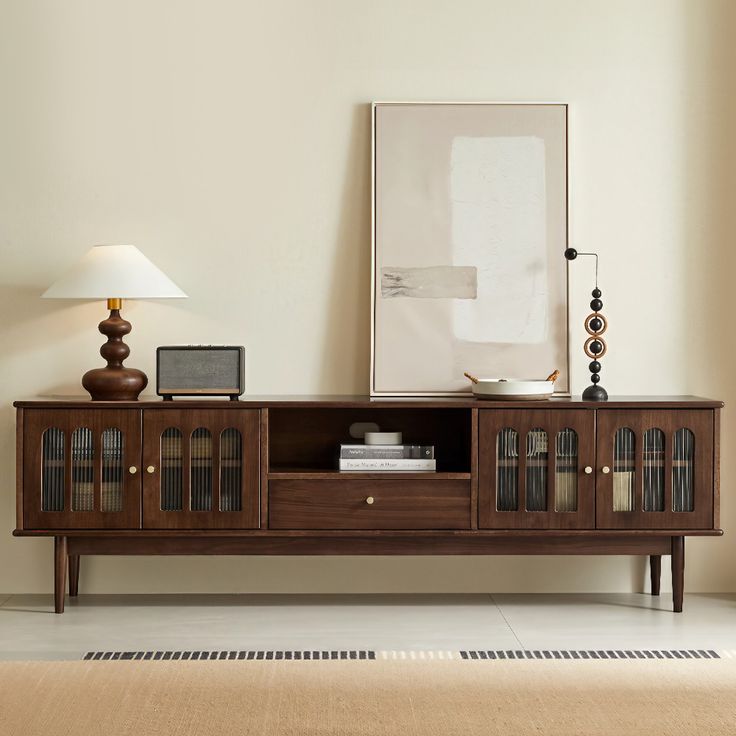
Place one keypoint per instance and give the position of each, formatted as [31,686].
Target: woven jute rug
[366,697]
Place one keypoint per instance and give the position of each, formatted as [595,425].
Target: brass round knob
[370,500]
[605,469]
[132,470]
[150,469]
[588,470]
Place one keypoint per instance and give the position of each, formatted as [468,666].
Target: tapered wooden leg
[60,564]
[655,571]
[73,575]
[678,572]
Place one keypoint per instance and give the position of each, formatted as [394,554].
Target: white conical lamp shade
[114,271]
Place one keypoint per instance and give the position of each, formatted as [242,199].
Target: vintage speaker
[200,370]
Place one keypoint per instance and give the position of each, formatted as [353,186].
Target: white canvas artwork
[470,226]
[497,198]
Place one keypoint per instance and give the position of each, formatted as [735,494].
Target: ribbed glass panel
[201,469]
[112,469]
[536,470]
[566,470]
[507,470]
[83,470]
[653,470]
[231,470]
[624,470]
[52,470]
[683,469]
[172,486]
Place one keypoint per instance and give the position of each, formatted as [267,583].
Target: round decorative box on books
[383,438]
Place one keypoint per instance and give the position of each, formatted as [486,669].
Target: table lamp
[114,273]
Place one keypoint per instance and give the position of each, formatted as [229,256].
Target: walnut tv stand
[633,476]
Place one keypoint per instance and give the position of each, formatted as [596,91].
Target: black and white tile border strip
[593,654]
[369,654]
[233,654]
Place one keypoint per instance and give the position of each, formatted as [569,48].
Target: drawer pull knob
[132,470]
[605,469]
[150,469]
[370,500]
[588,470]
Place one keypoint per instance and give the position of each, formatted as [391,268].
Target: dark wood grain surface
[396,504]
[263,491]
[410,534]
[655,573]
[128,421]
[297,473]
[352,401]
[406,544]
[247,422]
[700,422]
[717,468]
[677,563]
[296,502]
[551,421]
[19,475]
[73,576]
[474,455]
[60,568]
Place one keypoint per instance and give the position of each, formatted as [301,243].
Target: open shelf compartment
[306,442]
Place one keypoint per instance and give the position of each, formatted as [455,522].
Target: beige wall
[230,142]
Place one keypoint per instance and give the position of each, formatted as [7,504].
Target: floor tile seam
[506,621]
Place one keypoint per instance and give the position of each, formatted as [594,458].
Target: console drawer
[343,504]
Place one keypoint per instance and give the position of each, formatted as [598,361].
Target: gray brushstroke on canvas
[432,282]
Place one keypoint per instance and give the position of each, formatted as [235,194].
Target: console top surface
[361,401]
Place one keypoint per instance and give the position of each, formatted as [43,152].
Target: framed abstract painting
[469,230]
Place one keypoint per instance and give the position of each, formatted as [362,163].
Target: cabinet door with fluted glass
[80,469]
[536,469]
[201,468]
[655,469]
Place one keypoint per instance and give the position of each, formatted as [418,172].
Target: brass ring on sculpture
[601,318]
[588,352]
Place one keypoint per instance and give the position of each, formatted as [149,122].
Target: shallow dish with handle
[502,389]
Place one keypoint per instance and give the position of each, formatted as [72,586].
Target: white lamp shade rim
[114,271]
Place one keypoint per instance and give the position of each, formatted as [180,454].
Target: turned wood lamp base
[114,382]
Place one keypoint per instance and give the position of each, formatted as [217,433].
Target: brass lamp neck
[114,303]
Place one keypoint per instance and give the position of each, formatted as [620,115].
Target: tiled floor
[30,630]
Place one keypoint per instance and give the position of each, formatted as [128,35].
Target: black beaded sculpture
[595,325]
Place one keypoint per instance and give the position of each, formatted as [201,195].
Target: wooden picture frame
[469,227]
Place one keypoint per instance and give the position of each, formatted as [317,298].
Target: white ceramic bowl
[499,389]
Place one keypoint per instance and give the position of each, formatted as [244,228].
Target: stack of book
[390,458]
